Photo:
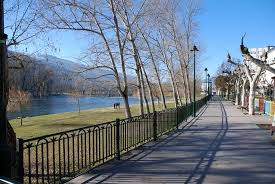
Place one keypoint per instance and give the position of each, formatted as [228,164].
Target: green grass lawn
[48,124]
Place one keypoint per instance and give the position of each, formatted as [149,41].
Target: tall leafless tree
[154,64]
[167,58]
[100,19]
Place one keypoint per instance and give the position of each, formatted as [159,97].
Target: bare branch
[230,60]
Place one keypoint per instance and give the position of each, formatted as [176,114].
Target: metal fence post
[117,139]
[155,125]
[20,160]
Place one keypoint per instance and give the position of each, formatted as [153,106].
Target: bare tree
[144,90]
[237,78]
[130,19]
[261,64]
[155,68]
[237,86]
[144,72]
[100,20]
[184,39]
[17,100]
[241,77]
[244,82]
[167,58]
[117,28]
[252,77]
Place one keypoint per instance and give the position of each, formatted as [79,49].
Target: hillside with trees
[48,75]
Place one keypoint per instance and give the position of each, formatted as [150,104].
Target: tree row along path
[220,145]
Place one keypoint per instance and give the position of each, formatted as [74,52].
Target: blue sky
[221,25]
[223,22]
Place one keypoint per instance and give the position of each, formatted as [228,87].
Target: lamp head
[194,48]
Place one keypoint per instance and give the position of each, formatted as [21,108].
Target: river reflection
[63,103]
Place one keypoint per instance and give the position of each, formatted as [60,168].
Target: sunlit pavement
[222,145]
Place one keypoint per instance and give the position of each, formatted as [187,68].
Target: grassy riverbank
[47,124]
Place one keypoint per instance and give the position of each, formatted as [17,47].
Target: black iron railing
[55,158]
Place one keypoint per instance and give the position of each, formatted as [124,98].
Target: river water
[63,103]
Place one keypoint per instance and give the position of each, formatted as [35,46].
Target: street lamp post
[3,75]
[194,49]
[208,89]
[206,83]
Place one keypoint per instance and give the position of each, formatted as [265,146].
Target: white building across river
[258,53]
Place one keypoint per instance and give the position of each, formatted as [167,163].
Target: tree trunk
[184,84]
[149,86]
[124,93]
[251,98]
[174,88]
[151,95]
[144,92]
[178,94]
[162,95]
[252,84]
[188,89]
[141,108]
[243,92]
[175,94]
[243,97]
[227,93]
[237,86]
[138,69]
[126,103]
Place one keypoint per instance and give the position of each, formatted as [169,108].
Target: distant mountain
[63,65]
[47,75]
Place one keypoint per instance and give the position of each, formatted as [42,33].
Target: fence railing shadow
[57,157]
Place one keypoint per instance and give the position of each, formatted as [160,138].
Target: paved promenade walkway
[222,145]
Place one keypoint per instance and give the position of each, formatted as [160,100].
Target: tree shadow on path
[133,162]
